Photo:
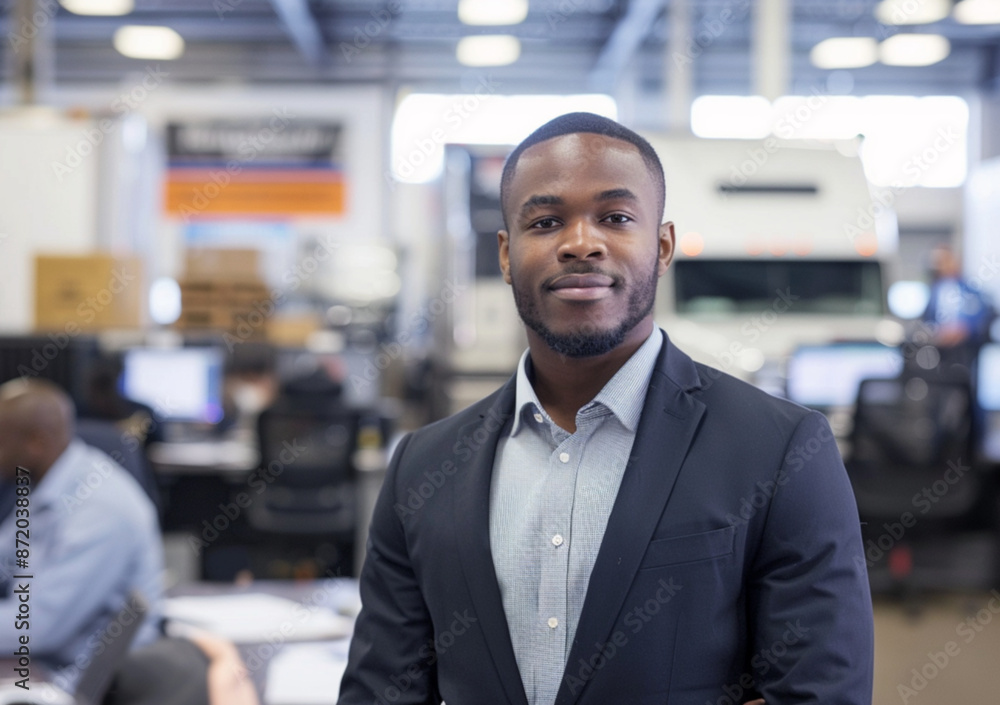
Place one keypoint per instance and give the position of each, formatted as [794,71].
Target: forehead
[581,157]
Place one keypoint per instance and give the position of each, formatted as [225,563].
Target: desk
[237,457]
[292,659]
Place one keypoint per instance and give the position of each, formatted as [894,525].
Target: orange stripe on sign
[218,176]
[192,199]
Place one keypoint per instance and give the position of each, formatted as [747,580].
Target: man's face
[585,246]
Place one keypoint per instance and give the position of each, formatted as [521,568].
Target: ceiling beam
[626,38]
[304,30]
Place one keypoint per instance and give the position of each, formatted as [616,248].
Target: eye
[545,223]
[619,218]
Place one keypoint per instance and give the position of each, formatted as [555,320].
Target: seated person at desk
[93,535]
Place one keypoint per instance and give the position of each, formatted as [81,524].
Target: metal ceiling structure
[567,45]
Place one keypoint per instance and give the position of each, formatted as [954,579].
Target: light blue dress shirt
[550,500]
[93,538]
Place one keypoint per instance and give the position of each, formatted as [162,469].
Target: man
[617,524]
[959,314]
[89,536]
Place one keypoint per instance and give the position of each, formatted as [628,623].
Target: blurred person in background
[92,536]
[958,314]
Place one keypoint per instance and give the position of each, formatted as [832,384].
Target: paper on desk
[306,674]
[257,618]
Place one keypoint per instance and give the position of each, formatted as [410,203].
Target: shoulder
[103,488]
[744,408]
[473,424]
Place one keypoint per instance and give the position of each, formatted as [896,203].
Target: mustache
[582,268]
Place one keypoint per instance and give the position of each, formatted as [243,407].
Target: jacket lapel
[472,525]
[666,429]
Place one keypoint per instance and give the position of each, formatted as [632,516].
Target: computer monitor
[988,377]
[826,376]
[180,384]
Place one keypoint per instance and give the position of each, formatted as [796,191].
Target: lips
[582,281]
[582,287]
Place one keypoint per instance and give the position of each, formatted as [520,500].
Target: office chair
[306,451]
[919,498]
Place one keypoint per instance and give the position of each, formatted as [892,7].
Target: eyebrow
[608,195]
[615,194]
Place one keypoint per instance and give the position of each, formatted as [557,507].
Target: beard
[589,340]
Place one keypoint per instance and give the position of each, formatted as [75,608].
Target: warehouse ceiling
[567,45]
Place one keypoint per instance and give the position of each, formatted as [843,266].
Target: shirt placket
[556,534]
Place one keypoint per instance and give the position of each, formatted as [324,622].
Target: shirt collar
[57,481]
[624,394]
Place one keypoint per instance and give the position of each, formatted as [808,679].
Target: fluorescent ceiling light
[911,11]
[143,42]
[844,53]
[735,116]
[488,50]
[492,12]
[98,7]
[913,49]
[978,12]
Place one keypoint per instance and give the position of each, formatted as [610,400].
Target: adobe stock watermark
[709,31]
[364,34]
[430,145]
[794,461]
[249,149]
[92,137]
[260,655]
[923,502]
[428,655]
[418,324]
[938,660]
[87,310]
[883,198]
[247,324]
[636,620]
[761,662]
[258,481]
[758,325]
[464,449]
[40,18]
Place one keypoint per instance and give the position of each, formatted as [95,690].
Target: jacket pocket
[689,548]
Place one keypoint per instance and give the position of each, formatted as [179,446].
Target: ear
[503,240]
[666,246]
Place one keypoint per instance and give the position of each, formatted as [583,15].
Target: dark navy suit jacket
[731,568]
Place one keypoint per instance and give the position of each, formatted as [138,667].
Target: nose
[582,240]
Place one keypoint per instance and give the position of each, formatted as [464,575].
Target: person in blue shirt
[89,537]
[958,314]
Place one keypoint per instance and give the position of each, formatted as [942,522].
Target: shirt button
[553,622]
[557,540]
[564,457]
[538,418]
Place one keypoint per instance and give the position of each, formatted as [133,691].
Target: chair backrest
[911,422]
[306,453]
[906,433]
[110,651]
[108,437]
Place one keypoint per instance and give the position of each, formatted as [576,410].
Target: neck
[565,384]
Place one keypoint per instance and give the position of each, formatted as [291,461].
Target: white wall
[45,205]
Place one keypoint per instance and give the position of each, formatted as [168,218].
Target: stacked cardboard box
[222,290]
[88,292]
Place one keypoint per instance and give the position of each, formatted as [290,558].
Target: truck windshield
[838,287]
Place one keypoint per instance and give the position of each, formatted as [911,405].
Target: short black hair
[573,123]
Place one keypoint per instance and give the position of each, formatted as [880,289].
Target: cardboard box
[88,292]
[221,264]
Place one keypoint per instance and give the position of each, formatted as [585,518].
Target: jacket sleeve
[808,598]
[392,657]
